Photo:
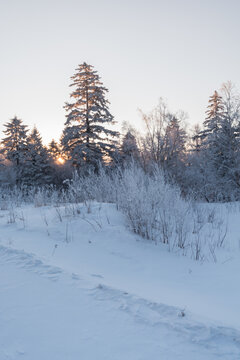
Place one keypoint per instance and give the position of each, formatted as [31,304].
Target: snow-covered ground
[84,287]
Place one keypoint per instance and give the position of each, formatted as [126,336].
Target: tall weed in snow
[39,196]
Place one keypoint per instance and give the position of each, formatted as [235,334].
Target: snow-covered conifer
[54,150]
[129,149]
[229,140]
[175,143]
[14,145]
[211,146]
[219,150]
[37,170]
[86,139]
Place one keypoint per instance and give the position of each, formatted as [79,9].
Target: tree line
[204,163]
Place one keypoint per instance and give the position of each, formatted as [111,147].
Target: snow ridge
[224,342]
[29,262]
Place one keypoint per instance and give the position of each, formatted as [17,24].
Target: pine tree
[229,140]
[37,170]
[212,124]
[174,149]
[129,149]
[14,145]
[211,146]
[220,147]
[175,140]
[215,114]
[86,139]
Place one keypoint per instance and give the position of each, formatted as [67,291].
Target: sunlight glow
[60,161]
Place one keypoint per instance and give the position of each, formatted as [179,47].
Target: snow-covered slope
[84,287]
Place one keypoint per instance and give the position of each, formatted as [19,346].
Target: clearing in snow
[84,287]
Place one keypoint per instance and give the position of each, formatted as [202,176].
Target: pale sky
[181,50]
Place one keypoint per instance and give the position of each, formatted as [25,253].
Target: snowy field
[84,287]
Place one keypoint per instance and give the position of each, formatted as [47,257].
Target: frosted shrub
[154,208]
[137,200]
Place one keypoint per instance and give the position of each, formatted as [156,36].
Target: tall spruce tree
[211,145]
[86,139]
[220,147]
[229,138]
[213,122]
[215,114]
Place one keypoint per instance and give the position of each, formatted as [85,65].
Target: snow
[84,287]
